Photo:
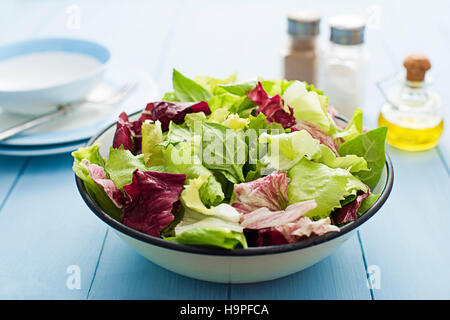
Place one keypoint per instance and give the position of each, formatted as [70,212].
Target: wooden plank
[408,239]
[140,38]
[53,233]
[10,171]
[46,228]
[251,45]
[124,274]
[339,276]
[412,254]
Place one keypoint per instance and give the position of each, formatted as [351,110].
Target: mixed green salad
[229,164]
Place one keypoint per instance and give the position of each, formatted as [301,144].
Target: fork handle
[8,133]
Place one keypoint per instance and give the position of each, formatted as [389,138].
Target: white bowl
[71,79]
[239,265]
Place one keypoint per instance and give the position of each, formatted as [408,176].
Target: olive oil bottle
[412,110]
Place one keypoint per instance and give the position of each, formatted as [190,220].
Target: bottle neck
[414,93]
[302,44]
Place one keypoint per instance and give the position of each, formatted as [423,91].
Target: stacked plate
[70,131]
[94,89]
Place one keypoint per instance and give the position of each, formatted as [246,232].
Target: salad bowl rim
[250,251]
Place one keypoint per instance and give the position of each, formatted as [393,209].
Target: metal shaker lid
[347,29]
[303,24]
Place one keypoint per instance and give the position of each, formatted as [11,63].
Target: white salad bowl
[238,265]
[72,83]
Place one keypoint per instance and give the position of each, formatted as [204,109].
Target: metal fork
[115,98]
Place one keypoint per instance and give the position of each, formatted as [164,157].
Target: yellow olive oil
[412,134]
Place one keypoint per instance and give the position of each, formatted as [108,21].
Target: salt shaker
[300,56]
[344,64]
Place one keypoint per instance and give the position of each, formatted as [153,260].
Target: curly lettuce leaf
[349,162]
[315,181]
[214,85]
[211,193]
[268,192]
[176,134]
[96,192]
[121,164]
[286,149]
[208,231]
[235,122]
[152,136]
[217,226]
[353,129]
[307,105]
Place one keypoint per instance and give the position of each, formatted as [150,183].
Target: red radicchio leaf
[317,133]
[152,197]
[264,237]
[268,192]
[306,228]
[129,133]
[264,218]
[349,212]
[272,107]
[166,111]
[98,175]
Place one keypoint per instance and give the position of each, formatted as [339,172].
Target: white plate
[41,151]
[85,120]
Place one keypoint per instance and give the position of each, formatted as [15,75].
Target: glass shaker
[300,56]
[344,64]
[412,111]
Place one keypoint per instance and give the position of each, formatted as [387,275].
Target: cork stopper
[416,66]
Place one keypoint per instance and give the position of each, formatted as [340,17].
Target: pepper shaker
[300,56]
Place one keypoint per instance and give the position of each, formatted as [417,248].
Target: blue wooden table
[47,234]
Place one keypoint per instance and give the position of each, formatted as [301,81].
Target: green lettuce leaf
[307,105]
[187,89]
[310,180]
[211,232]
[354,127]
[224,150]
[194,119]
[367,203]
[217,226]
[349,162]
[182,159]
[370,146]
[97,194]
[213,85]
[170,96]
[286,149]
[239,89]
[152,136]
[277,86]
[176,134]
[235,122]
[121,164]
